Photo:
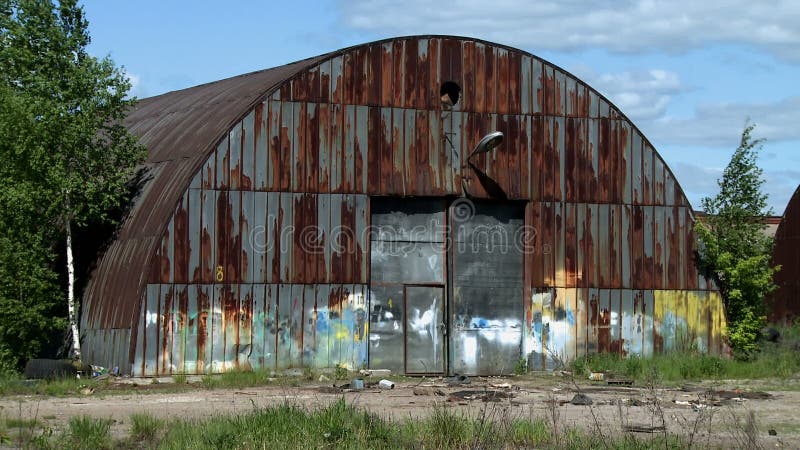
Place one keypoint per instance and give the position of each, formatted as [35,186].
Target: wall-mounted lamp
[487,144]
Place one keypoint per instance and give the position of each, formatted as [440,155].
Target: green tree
[61,131]
[734,247]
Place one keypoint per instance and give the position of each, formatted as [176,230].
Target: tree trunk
[75,352]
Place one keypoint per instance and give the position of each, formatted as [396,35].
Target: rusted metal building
[333,212]
[785,302]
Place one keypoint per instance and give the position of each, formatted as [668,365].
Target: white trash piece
[386,384]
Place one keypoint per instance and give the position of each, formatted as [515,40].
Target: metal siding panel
[337,80]
[349,166]
[593,171]
[606,169]
[372,130]
[190,357]
[373,61]
[309,236]
[273,237]
[180,240]
[626,235]
[637,247]
[194,231]
[137,370]
[603,239]
[258,330]
[559,159]
[348,238]
[502,80]
[258,239]
[151,325]
[335,333]
[165,324]
[604,321]
[434,74]
[322,327]
[658,180]
[287,168]
[570,244]
[309,326]
[615,238]
[535,346]
[284,312]
[625,163]
[581,321]
[361,149]
[614,321]
[398,82]
[649,248]
[337,150]
[324,238]
[386,82]
[362,243]
[324,148]
[398,152]
[559,248]
[205,327]
[344,332]
[442,172]
[274,148]
[235,154]
[298,137]
[491,77]
[334,274]
[647,324]
[166,253]
[245,329]
[179,328]
[233,268]
[514,151]
[223,164]
[559,100]
[593,331]
[285,224]
[385,143]
[311,142]
[248,161]
[300,274]
[349,78]
[630,346]
[647,174]
[660,262]
[272,327]
[209,172]
[230,324]
[296,350]
[637,176]
[549,244]
[410,57]
[409,166]
[247,225]
[424,176]
[325,81]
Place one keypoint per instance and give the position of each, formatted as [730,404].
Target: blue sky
[687,73]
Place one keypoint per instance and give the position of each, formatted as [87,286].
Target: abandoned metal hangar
[784,304]
[354,209]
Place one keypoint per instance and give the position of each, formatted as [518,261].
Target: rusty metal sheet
[325,81]
[261,147]
[337,80]
[151,331]
[207,246]
[349,78]
[573,145]
[624,163]
[658,180]
[534,345]
[593,172]
[514,152]
[637,175]
[615,254]
[372,60]
[335,332]
[286,164]
[257,356]
[490,77]
[361,229]
[205,327]
[649,247]
[514,82]
[385,137]
[164,325]
[372,132]
[647,323]
[398,73]
[559,245]
[298,146]
[647,174]
[244,343]
[547,229]
[526,95]
[423,178]
[386,75]
[137,369]
[313,83]
[433,75]
[660,262]
[347,237]
[284,327]
[247,221]
[309,234]
[180,237]
[469,87]
[559,92]
[783,306]
[337,158]
[335,238]
[284,256]
[324,242]
[629,315]
[247,161]
[604,308]
[627,243]
[324,148]
[361,149]
[229,303]
[386,328]
[503,81]
[398,152]
[588,244]
[180,305]
[581,321]
[441,171]
[671,188]
[232,236]
[344,333]
[559,158]
[410,71]
[223,164]
[274,146]
[592,300]
[637,247]
[606,169]
[235,155]
[603,242]
[478,73]
[298,87]
[166,254]
[349,160]
[409,167]
[311,142]
[256,238]
[272,240]
[297,245]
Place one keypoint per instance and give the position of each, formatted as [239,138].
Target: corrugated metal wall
[283,204]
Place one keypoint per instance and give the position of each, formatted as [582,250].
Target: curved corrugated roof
[179,129]
[786,300]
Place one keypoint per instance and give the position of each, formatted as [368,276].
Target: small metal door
[424,329]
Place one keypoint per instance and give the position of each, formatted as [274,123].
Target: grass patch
[86,432]
[21,423]
[145,427]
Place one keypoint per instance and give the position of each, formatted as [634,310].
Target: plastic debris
[386,384]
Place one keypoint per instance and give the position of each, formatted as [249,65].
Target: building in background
[341,211]
[784,306]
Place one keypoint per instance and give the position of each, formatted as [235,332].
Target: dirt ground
[614,409]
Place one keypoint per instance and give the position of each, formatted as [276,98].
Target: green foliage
[734,248]
[66,158]
[145,427]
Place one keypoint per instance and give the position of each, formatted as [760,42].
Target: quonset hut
[785,301]
[342,211]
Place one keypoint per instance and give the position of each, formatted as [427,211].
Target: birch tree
[68,141]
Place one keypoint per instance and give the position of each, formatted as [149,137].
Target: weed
[521,368]
[341,373]
[21,423]
[86,432]
[145,427]
[179,378]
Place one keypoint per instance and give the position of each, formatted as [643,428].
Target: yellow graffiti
[694,320]
[389,303]
[340,331]
[220,274]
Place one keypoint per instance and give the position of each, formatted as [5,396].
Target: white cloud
[720,125]
[621,26]
[641,95]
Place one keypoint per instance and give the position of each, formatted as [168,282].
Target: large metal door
[487,281]
[425,329]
